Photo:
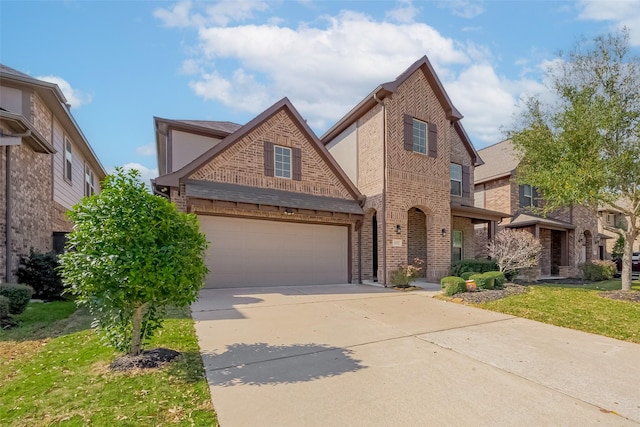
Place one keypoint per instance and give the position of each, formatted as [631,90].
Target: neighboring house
[611,222]
[279,209]
[406,150]
[46,166]
[275,206]
[569,236]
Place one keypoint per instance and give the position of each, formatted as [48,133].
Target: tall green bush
[130,255]
[4,307]
[40,271]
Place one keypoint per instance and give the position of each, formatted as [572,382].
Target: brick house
[610,222]
[46,166]
[569,236]
[389,182]
[275,206]
[406,150]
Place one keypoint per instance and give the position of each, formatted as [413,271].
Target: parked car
[635,264]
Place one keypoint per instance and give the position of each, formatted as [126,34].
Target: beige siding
[11,99]
[67,193]
[186,147]
[344,148]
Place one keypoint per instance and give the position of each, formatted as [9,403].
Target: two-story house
[406,150]
[569,236]
[611,222]
[46,166]
[390,182]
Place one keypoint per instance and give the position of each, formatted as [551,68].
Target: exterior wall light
[443,232]
[398,229]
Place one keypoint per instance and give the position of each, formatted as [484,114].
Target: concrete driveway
[353,355]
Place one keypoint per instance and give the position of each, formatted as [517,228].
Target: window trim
[276,170]
[423,131]
[67,164]
[451,180]
[88,173]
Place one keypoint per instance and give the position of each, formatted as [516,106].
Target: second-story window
[528,196]
[419,136]
[456,179]
[89,181]
[68,159]
[282,161]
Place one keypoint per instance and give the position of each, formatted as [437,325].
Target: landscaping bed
[484,295]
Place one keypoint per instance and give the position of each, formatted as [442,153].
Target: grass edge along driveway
[574,307]
[55,371]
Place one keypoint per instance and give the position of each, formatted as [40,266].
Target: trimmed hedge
[473,265]
[453,285]
[4,307]
[18,295]
[483,281]
[467,274]
[498,277]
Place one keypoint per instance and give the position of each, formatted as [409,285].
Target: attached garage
[252,252]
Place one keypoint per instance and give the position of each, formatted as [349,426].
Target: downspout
[8,225]
[359,225]
[384,190]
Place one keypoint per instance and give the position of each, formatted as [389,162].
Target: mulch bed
[485,295]
[146,360]
[631,296]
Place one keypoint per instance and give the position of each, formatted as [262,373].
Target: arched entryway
[417,236]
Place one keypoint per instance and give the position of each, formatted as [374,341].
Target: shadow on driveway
[277,364]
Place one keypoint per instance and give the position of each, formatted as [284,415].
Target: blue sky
[122,62]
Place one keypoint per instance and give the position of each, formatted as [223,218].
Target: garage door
[249,252]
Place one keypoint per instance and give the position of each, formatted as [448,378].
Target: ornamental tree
[585,148]
[129,256]
[513,250]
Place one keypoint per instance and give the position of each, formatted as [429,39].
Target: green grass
[54,371]
[605,285]
[576,307]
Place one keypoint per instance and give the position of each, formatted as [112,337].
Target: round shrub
[483,281]
[18,295]
[467,274]
[4,307]
[453,285]
[498,277]
[477,265]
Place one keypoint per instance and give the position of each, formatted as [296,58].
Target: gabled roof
[220,128]
[386,89]
[500,160]
[56,101]
[180,176]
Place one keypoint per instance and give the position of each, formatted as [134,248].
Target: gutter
[384,190]
[8,225]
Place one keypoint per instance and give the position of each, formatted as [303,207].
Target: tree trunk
[629,238]
[136,338]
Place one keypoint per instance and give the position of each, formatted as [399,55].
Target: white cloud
[488,101]
[405,13]
[182,14]
[146,174]
[620,13]
[75,98]
[464,8]
[327,67]
[147,149]
[323,69]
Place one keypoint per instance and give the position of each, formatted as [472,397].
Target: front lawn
[54,371]
[577,307]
